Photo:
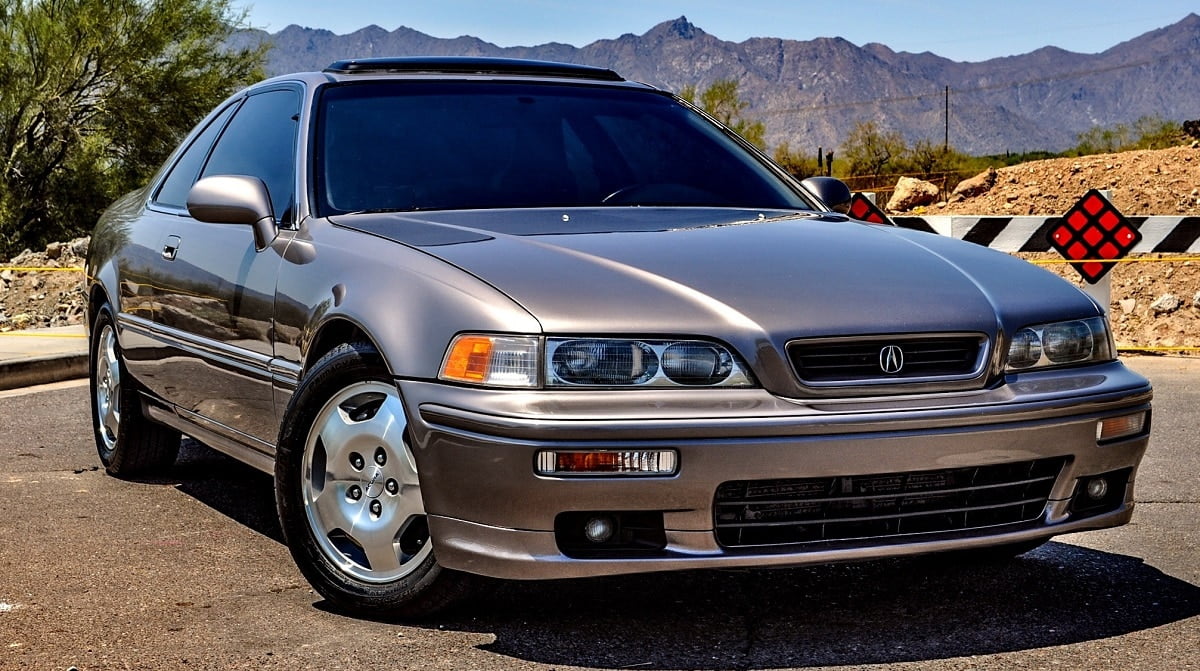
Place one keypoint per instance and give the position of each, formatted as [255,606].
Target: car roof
[457,68]
[472,66]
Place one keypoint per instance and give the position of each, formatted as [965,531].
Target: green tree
[94,94]
[1157,133]
[1148,132]
[798,164]
[869,150]
[1102,140]
[929,158]
[722,102]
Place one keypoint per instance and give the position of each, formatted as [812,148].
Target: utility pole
[946,141]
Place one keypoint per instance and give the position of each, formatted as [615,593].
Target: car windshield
[404,146]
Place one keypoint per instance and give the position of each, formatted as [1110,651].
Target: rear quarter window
[174,189]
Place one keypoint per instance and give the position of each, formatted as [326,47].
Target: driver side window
[260,142]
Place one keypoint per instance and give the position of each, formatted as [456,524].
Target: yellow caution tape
[33,334]
[1122,348]
[38,269]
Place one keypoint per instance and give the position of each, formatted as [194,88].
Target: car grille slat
[881,506]
[887,496]
[857,360]
[897,516]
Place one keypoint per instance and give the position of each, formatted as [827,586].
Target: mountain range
[809,93]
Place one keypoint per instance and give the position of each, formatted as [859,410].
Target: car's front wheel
[348,494]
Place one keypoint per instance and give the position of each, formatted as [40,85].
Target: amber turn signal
[468,359]
[1113,428]
[501,361]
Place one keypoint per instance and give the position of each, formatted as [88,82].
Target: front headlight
[519,361]
[1059,344]
[619,362]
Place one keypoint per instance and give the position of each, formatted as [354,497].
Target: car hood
[756,278]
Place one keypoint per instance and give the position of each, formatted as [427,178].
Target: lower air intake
[854,508]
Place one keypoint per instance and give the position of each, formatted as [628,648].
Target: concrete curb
[31,371]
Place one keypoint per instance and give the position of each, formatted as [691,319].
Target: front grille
[862,507]
[859,360]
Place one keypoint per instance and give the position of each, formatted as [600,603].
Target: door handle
[171,247]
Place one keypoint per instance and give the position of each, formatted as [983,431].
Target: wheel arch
[97,298]
[336,331]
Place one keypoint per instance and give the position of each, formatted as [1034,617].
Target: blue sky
[963,30]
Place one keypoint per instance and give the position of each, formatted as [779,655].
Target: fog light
[1100,493]
[609,533]
[1120,427]
[629,462]
[599,529]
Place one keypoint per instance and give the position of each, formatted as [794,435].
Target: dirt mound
[1163,182]
[43,298]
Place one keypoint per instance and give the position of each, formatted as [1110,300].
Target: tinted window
[175,187]
[441,145]
[260,141]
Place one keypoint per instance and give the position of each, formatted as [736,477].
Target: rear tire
[129,444]
[348,495]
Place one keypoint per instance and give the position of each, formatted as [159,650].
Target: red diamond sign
[864,210]
[1091,232]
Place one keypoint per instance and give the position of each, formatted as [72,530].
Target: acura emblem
[891,359]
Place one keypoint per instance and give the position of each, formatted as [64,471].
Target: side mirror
[831,190]
[234,199]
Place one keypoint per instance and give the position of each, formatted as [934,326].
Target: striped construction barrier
[1178,235]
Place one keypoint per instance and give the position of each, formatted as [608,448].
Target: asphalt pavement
[188,571]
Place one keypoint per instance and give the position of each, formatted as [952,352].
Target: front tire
[348,494]
[129,444]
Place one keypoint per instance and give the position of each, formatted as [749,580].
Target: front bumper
[491,514]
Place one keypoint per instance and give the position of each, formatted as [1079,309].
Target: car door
[215,301]
[142,273]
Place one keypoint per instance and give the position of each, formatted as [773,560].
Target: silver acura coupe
[531,320]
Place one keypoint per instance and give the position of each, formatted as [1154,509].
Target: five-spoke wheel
[361,492]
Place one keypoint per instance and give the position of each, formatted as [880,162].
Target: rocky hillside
[1164,182]
[811,92]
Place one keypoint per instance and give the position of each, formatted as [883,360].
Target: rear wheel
[129,444]
[348,493]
